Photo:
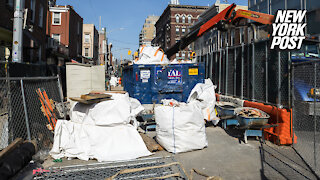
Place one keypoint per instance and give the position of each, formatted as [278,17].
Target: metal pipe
[253,71]
[226,70]
[315,116]
[267,74]
[25,110]
[279,79]
[242,68]
[28,78]
[234,72]
[61,97]
[220,71]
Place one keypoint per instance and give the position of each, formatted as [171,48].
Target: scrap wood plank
[151,144]
[88,101]
[95,96]
[103,92]
[11,147]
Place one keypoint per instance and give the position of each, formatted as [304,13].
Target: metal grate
[106,170]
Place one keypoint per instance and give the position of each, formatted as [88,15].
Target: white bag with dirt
[180,127]
[152,55]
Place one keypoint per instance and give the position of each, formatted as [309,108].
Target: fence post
[266,49]
[234,72]
[61,97]
[226,70]
[315,115]
[25,110]
[220,70]
[242,68]
[253,71]
[279,79]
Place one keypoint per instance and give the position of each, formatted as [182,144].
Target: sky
[123,19]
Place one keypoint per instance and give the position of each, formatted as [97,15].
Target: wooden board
[95,96]
[151,144]
[83,101]
[102,92]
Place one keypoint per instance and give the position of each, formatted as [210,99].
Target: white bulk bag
[205,94]
[104,143]
[120,110]
[180,129]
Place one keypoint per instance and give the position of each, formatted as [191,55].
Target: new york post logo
[288,29]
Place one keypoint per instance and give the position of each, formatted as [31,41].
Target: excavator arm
[227,16]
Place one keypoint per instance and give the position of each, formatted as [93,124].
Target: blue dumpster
[149,83]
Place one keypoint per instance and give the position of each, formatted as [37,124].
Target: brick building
[34,34]
[90,48]
[173,24]
[64,25]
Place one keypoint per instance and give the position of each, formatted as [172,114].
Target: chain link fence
[306,111]
[20,107]
[251,71]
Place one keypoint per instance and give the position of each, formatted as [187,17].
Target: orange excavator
[227,17]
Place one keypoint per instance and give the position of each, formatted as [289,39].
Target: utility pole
[17,44]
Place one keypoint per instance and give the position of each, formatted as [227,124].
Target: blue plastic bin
[150,83]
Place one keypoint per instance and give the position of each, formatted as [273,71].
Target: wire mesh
[260,71]
[14,123]
[230,72]
[105,170]
[306,112]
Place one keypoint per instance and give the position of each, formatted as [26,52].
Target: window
[87,38]
[56,18]
[177,55]
[177,18]
[56,37]
[177,30]
[183,30]
[41,16]
[33,9]
[189,19]
[183,19]
[183,55]
[86,52]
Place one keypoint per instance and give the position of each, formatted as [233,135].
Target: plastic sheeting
[101,131]
[104,143]
[180,127]
[206,96]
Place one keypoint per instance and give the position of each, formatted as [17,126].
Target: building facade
[90,48]
[64,25]
[102,46]
[34,31]
[312,7]
[174,24]
[148,32]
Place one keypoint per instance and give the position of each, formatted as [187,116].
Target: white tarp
[180,127]
[205,94]
[101,131]
[151,55]
[104,143]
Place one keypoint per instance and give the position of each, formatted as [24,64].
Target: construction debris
[91,98]
[151,144]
